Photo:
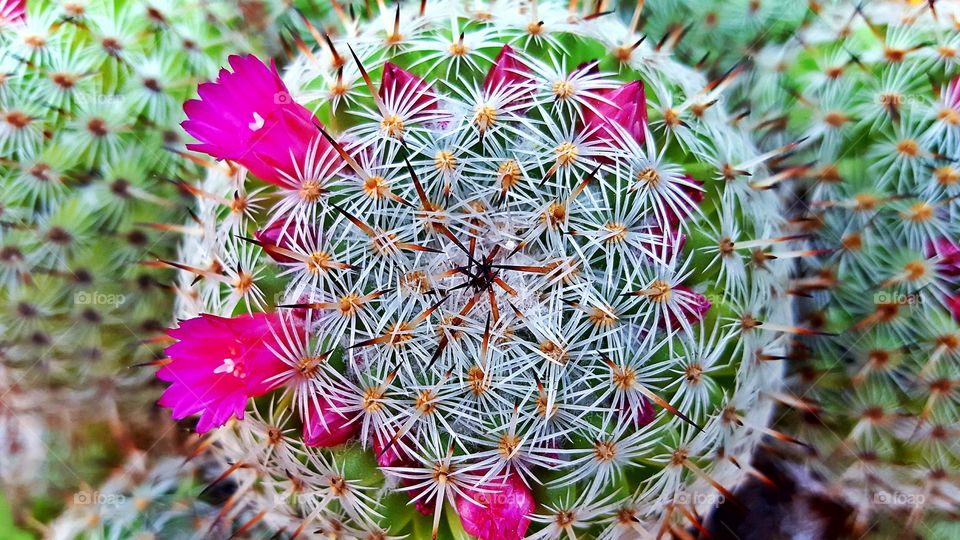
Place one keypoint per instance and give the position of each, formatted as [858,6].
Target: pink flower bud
[949,254]
[399,84]
[953,303]
[509,76]
[217,364]
[394,456]
[506,504]
[325,427]
[642,413]
[663,245]
[271,236]
[696,197]
[13,12]
[625,107]
[698,304]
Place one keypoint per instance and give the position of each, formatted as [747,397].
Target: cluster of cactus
[508,265]
[873,91]
[91,95]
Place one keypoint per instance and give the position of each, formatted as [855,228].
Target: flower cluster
[509,262]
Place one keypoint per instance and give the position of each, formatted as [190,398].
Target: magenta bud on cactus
[509,71]
[13,12]
[398,82]
[625,107]
[502,513]
[217,364]
[948,254]
[276,234]
[325,426]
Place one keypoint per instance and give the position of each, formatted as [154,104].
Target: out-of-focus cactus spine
[90,101]
[874,89]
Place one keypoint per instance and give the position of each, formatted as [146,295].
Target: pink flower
[664,245]
[13,12]
[249,117]
[217,364]
[326,427]
[949,254]
[398,84]
[509,77]
[394,456]
[506,504]
[625,106]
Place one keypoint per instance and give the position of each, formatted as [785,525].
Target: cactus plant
[457,261]
[90,97]
[874,90]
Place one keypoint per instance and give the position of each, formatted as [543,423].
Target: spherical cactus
[875,93]
[508,266]
[90,101]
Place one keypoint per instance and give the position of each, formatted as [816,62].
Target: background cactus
[90,99]
[486,276]
[873,90]
[149,497]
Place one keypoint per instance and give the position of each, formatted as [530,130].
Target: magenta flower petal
[217,364]
[698,306]
[949,254]
[625,107]
[13,12]
[271,234]
[507,503]
[953,304]
[325,427]
[248,116]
